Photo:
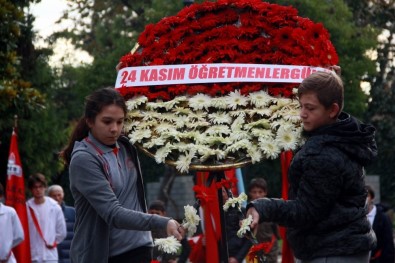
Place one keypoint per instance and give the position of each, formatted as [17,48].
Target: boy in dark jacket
[325,215]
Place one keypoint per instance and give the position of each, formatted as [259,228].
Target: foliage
[26,85]
[381,14]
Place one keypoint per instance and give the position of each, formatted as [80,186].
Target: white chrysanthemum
[191,220]
[220,118]
[151,115]
[219,103]
[197,116]
[135,102]
[282,102]
[254,153]
[159,141]
[287,139]
[292,115]
[237,146]
[262,123]
[218,130]
[235,100]
[153,105]
[164,127]
[138,135]
[184,147]
[168,105]
[147,124]
[197,124]
[216,140]
[261,112]
[163,152]
[182,111]
[171,134]
[284,126]
[219,154]
[260,99]
[262,133]
[131,125]
[294,91]
[270,149]
[168,245]
[238,123]
[183,162]
[200,101]
[238,135]
[232,202]
[245,226]
[180,121]
[238,113]
[134,114]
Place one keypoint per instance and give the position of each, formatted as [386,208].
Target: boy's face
[314,114]
[156,212]
[257,192]
[38,190]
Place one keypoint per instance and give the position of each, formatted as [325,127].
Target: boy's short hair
[259,183]
[328,87]
[36,178]
[157,205]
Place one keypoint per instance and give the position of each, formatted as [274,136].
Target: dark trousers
[137,255]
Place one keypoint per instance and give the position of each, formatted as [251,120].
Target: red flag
[15,197]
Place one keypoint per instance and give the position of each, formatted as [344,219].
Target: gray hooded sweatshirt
[107,187]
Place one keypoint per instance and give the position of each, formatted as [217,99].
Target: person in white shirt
[11,233]
[47,226]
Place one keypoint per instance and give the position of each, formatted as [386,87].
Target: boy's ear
[334,110]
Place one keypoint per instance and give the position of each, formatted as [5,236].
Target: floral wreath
[222,123]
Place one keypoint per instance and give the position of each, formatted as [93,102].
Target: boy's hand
[255,218]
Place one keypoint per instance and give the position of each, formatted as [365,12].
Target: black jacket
[326,213]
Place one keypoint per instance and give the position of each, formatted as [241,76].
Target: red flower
[232,31]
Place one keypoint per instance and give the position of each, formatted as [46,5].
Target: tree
[381,14]
[26,82]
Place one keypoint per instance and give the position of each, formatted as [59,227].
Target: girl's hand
[175,229]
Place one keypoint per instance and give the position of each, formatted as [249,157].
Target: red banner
[15,197]
[286,157]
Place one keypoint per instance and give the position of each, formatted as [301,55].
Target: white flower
[270,149]
[159,141]
[218,129]
[238,123]
[217,140]
[191,220]
[220,118]
[242,144]
[165,127]
[197,124]
[200,101]
[183,162]
[254,153]
[169,245]
[262,123]
[232,202]
[135,102]
[292,115]
[181,111]
[245,226]
[139,135]
[219,103]
[238,135]
[287,139]
[238,113]
[262,134]
[235,99]
[260,99]
[162,153]
[134,114]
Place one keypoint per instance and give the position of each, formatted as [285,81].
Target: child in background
[157,207]
[267,231]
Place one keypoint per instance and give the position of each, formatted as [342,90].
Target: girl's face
[108,124]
